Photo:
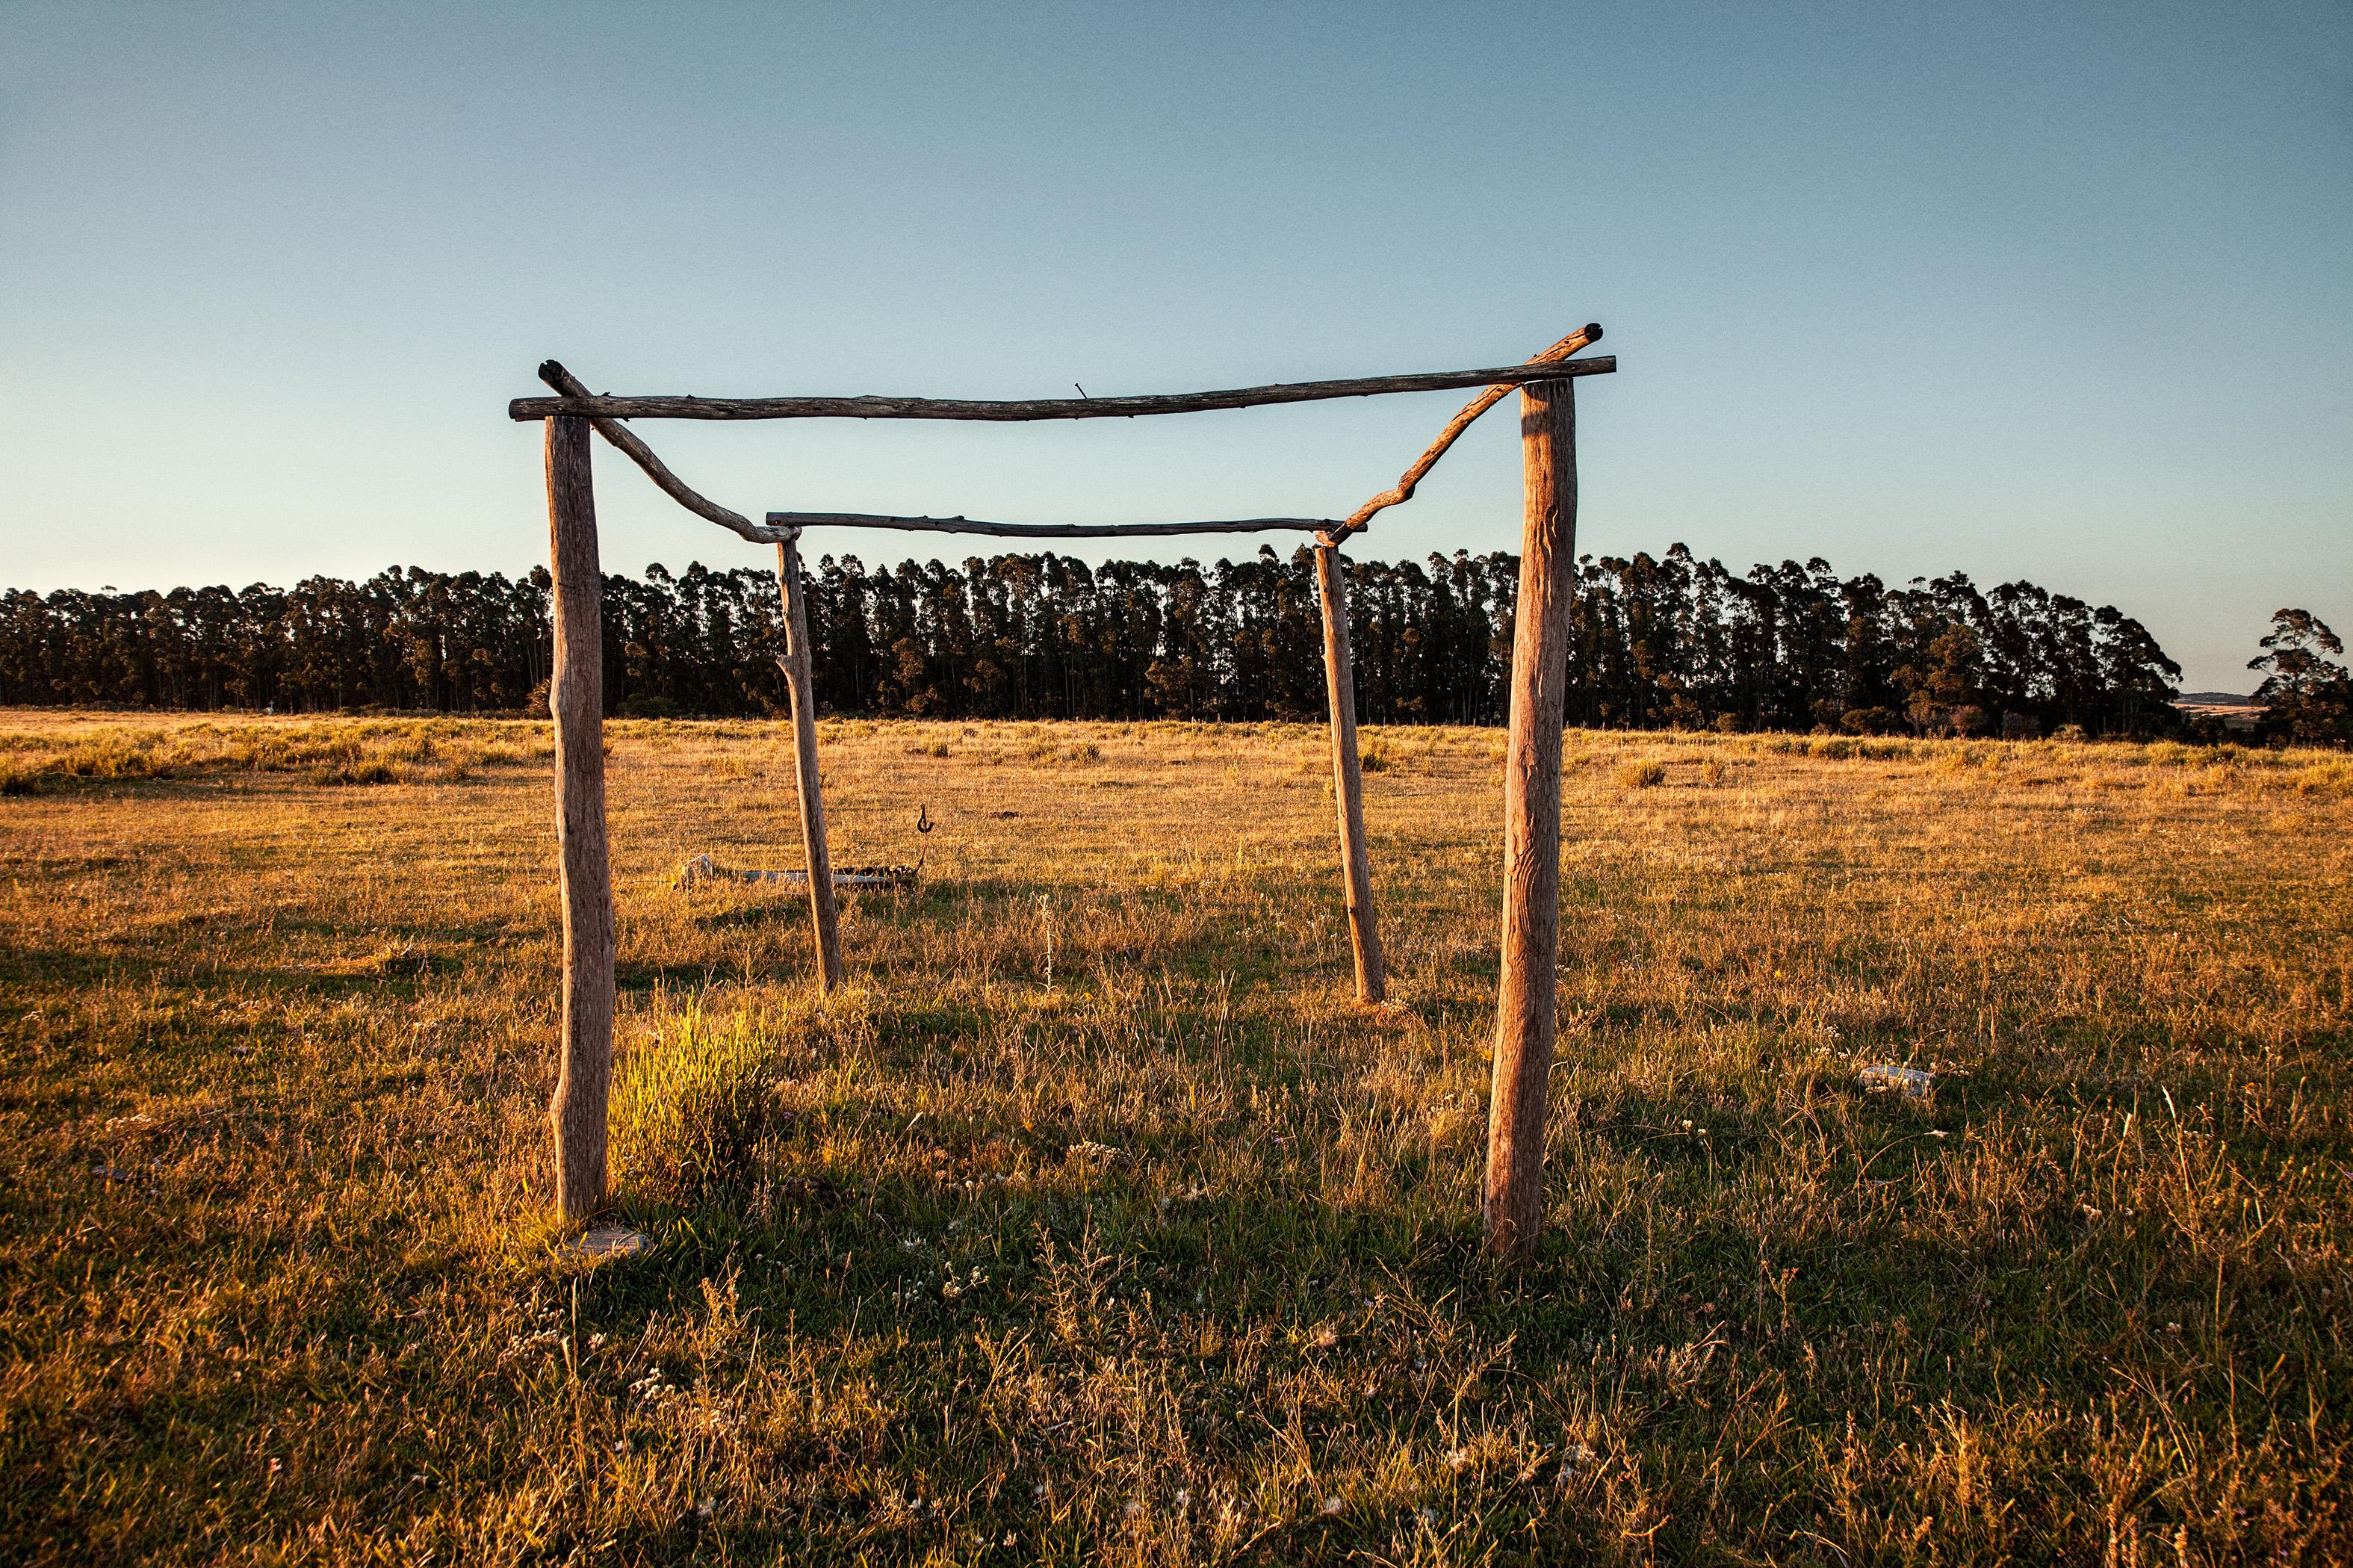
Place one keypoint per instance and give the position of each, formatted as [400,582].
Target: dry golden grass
[1095,1223]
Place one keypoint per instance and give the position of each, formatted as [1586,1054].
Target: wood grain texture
[576,699]
[1527,998]
[1585,335]
[672,407]
[823,923]
[1348,777]
[638,452]
[797,520]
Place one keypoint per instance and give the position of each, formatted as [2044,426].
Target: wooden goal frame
[1526,1011]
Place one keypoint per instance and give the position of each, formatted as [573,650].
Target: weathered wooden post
[1347,772]
[798,665]
[1526,1022]
[577,699]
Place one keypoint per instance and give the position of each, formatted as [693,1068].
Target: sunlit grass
[1094,1220]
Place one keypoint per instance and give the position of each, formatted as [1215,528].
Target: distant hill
[2236,712]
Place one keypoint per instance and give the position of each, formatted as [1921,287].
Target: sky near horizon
[2060,292]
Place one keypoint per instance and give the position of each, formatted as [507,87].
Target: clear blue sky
[2060,292]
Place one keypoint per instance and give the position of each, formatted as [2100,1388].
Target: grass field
[1096,1223]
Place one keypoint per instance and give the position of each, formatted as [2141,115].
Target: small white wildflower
[1331,1505]
[1459,1461]
[1184,1498]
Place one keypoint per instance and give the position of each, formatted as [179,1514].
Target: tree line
[1665,640]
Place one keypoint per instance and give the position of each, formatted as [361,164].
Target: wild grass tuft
[2332,778]
[1646,773]
[326,752]
[692,1102]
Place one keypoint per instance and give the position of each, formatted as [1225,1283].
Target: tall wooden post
[798,666]
[577,699]
[1526,1024]
[1347,774]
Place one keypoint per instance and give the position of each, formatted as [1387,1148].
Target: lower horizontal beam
[797,519]
[1044,409]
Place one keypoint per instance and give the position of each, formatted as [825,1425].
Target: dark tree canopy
[2310,697]
[1660,640]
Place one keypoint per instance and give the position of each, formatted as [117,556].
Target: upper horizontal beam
[1043,409]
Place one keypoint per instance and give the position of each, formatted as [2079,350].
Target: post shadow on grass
[782,1210]
[405,976]
[752,916]
[1827,1309]
[741,1167]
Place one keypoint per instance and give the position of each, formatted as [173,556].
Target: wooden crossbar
[1526,1022]
[1045,408]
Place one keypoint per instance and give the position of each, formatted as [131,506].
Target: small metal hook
[924,823]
